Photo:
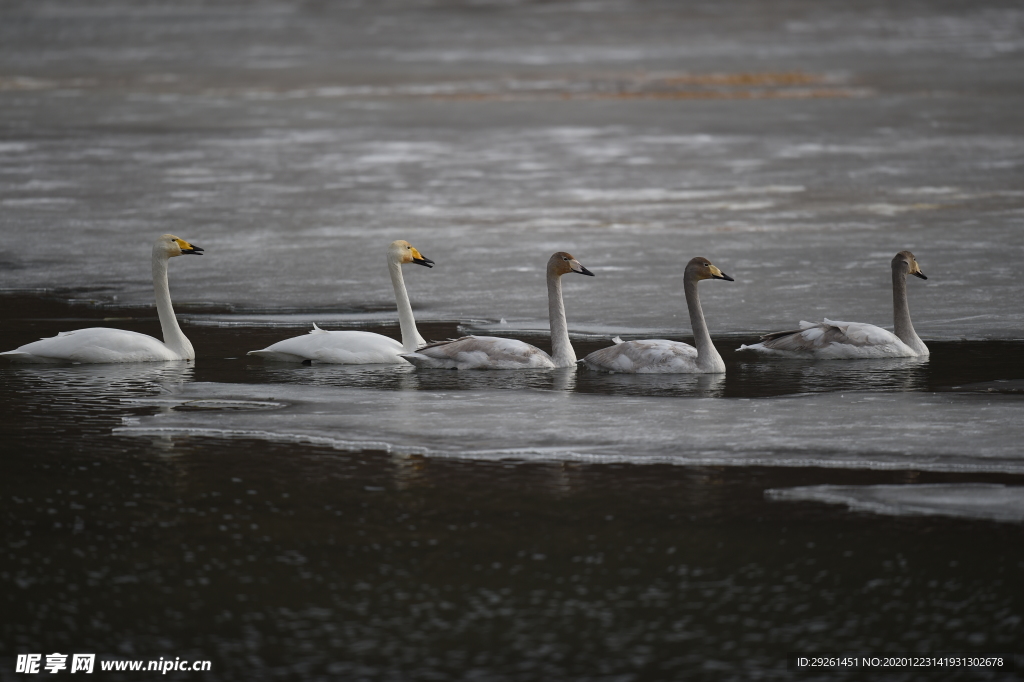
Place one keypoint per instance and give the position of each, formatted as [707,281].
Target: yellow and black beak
[718,274]
[189,248]
[919,274]
[419,259]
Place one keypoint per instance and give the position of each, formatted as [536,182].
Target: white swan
[356,347]
[660,356]
[491,352]
[102,344]
[831,340]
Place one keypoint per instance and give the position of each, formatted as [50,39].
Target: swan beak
[582,270]
[913,268]
[189,248]
[718,274]
[419,259]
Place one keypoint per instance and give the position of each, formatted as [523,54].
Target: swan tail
[419,360]
[781,335]
[21,356]
[277,356]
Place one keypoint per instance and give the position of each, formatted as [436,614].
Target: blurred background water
[798,146]
[386,523]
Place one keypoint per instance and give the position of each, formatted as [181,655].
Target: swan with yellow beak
[104,344]
[349,347]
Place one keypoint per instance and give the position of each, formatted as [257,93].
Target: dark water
[279,561]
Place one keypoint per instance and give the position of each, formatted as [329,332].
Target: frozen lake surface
[798,150]
[916,431]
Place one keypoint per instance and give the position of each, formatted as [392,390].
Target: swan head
[563,263]
[169,246]
[402,251]
[701,268]
[905,258]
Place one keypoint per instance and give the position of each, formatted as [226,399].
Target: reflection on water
[52,395]
[393,377]
[406,377]
[105,380]
[764,376]
[680,385]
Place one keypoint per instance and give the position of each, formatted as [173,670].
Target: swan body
[482,352]
[358,347]
[334,347]
[833,340]
[491,352]
[107,345]
[661,356]
[95,345]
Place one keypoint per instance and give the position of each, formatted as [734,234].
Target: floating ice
[970,500]
[922,431]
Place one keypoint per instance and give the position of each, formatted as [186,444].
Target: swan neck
[708,357]
[411,339]
[174,338]
[902,326]
[561,349]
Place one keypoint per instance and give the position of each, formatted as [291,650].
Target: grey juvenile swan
[660,356]
[831,340]
[491,352]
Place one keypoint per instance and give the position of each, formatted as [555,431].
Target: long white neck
[174,339]
[902,326]
[411,339]
[708,358]
[561,350]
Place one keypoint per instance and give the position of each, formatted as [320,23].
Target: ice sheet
[803,257]
[921,431]
[969,500]
[799,166]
